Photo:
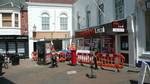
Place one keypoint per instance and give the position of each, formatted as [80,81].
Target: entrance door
[124,47]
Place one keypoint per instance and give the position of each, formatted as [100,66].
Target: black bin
[15,59]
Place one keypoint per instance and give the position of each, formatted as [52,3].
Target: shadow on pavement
[3,80]
[136,82]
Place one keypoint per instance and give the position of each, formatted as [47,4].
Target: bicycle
[5,65]
[5,62]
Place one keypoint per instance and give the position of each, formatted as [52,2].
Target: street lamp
[34,28]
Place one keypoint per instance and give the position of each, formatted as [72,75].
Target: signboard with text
[118,26]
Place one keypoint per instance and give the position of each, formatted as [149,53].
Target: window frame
[119,9]
[63,21]
[7,19]
[45,21]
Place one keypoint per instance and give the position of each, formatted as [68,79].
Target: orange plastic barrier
[85,58]
[111,60]
[62,56]
[34,56]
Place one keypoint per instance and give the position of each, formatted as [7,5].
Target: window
[119,9]
[88,16]
[16,20]
[63,22]
[6,19]
[78,18]
[147,20]
[100,12]
[45,21]
[124,43]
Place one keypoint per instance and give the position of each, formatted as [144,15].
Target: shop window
[2,47]
[21,47]
[11,47]
[124,43]
[7,19]
[147,20]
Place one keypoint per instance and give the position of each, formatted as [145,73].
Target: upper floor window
[45,21]
[16,20]
[88,16]
[7,19]
[119,9]
[100,13]
[78,23]
[63,22]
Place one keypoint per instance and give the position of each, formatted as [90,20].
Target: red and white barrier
[110,60]
[84,56]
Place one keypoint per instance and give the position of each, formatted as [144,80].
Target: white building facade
[49,22]
[98,14]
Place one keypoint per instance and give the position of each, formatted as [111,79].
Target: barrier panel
[84,57]
[34,56]
[62,56]
[110,60]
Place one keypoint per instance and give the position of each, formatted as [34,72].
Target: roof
[10,4]
[53,1]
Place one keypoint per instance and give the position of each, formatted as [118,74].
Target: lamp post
[34,28]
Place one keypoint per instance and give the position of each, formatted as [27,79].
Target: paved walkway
[29,72]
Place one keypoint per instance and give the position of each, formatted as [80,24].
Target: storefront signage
[99,30]
[118,26]
[87,33]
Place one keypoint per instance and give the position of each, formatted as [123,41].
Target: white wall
[54,11]
[35,12]
[80,7]
[140,32]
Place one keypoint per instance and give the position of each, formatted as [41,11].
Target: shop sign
[118,26]
[99,30]
[88,32]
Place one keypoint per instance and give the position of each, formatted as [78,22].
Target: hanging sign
[99,30]
[118,26]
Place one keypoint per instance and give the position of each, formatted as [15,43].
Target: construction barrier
[34,56]
[110,60]
[84,57]
[62,56]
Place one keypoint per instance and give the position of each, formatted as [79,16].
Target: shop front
[107,38]
[14,45]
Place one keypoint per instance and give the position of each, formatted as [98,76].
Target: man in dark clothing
[54,61]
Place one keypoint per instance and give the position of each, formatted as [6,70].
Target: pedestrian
[53,60]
